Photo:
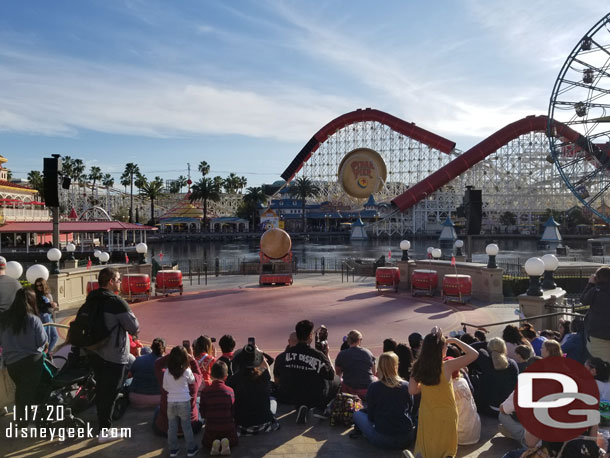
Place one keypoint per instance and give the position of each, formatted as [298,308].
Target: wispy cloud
[65,95]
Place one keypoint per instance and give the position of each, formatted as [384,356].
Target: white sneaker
[225,449]
[215,450]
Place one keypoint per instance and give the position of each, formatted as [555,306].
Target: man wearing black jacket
[109,361]
[305,374]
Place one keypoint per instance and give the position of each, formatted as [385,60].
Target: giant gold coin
[362,172]
[276,243]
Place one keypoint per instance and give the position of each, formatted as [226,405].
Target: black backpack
[89,330]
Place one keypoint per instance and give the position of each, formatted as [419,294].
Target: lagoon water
[341,248]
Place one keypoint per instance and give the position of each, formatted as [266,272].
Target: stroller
[73,387]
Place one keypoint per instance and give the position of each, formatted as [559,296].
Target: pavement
[237,305]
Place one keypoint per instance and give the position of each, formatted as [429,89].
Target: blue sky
[244,85]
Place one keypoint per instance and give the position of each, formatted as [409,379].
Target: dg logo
[557,399]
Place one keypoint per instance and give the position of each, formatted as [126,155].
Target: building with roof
[18,202]
[182,217]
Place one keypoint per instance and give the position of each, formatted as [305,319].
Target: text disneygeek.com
[62,432]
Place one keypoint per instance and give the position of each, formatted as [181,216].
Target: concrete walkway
[236,305]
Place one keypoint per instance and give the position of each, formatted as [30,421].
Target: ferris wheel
[579,119]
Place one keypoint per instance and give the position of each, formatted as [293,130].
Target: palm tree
[204,168]
[152,190]
[140,182]
[130,171]
[78,168]
[36,182]
[302,188]
[181,182]
[243,181]
[95,175]
[108,183]
[206,190]
[253,198]
[219,182]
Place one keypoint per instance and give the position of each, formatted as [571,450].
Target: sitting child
[218,408]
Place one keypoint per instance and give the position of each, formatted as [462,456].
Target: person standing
[23,342]
[437,431]
[597,295]
[8,287]
[46,309]
[110,360]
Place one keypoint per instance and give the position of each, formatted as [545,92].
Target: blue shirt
[143,371]
[537,345]
[390,409]
[15,347]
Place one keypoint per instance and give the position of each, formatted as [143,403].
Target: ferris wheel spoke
[600,47]
[599,194]
[588,86]
[600,71]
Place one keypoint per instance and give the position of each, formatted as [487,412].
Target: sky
[244,85]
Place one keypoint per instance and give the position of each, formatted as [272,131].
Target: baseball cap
[2,262]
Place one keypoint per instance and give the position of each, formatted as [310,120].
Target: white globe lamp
[534,267]
[492,250]
[14,269]
[54,255]
[35,272]
[405,246]
[551,263]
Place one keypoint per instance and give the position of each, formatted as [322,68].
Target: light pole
[436,253]
[142,248]
[405,246]
[492,251]
[459,244]
[54,255]
[550,266]
[534,267]
[104,257]
[70,248]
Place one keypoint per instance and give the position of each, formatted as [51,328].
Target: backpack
[89,330]
[343,409]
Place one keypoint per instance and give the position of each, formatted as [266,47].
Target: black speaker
[473,204]
[52,167]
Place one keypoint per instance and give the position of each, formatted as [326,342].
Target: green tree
[204,168]
[36,182]
[508,219]
[130,171]
[152,190]
[243,182]
[107,182]
[78,170]
[181,182]
[205,190]
[254,196]
[303,188]
[95,175]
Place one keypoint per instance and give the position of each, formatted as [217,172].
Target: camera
[251,345]
[213,339]
[322,339]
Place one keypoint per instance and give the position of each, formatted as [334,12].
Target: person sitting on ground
[135,346]
[549,334]
[468,338]
[564,330]
[584,446]
[575,344]
[389,344]
[597,295]
[437,429]
[512,338]
[405,360]
[498,377]
[600,370]
[535,340]
[469,422]
[218,410]
[280,392]
[160,421]
[480,335]
[227,345]
[415,342]
[356,366]
[551,348]
[387,422]
[176,381]
[144,390]
[306,374]
[254,408]
[524,357]
[46,309]
[205,355]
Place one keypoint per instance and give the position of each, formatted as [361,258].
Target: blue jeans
[51,330]
[361,419]
[179,411]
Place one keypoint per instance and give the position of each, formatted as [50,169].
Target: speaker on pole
[473,204]
[51,170]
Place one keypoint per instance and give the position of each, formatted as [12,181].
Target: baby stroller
[73,387]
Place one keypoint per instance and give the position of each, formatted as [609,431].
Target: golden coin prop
[276,243]
[362,172]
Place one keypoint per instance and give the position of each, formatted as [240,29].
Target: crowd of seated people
[425,396]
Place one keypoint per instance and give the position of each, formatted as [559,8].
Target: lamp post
[459,244]
[104,257]
[14,269]
[492,251]
[35,272]
[437,253]
[70,248]
[96,255]
[429,251]
[54,255]
[142,248]
[550,266]
[405,246]
[534,267]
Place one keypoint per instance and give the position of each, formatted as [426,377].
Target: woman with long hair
[23,340]
[498,376]
[46,308]
[387,421]
[205,355]
[437,430]
[513,338]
